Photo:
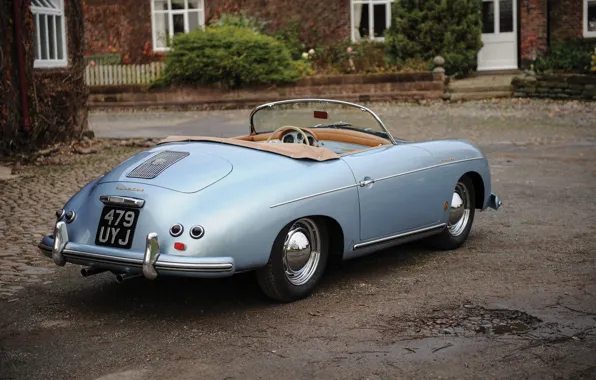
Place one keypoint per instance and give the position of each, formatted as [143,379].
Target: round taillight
[176,230]
[70,216]
[60,214]
[197,232]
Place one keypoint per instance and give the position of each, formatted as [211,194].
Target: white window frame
[370,4]
[170,15]
[587,33]
[49,8]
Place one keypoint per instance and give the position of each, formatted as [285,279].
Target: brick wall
[124,26]
[533,30]
[321,22]
[566,20]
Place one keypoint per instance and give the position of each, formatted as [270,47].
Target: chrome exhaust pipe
[126,276]
[86,272]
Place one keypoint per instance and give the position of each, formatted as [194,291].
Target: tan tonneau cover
[298,151]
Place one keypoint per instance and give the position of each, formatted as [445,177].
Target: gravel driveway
[517,301]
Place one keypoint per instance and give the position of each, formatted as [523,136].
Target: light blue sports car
[314,178]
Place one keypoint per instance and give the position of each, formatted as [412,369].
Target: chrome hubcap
[459,213]
[301,251]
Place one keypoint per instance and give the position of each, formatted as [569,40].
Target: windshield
[317,114]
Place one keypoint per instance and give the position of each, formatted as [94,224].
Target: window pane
[59,41]
[506,16]
[51,34]
[488,17]
[160,5]
[44,37]
[193,20]
[35,40]
[178,23]
[591,16]
[44,3]
[178,4]
[194,4]
[379,19]
[364,27]
[162,29]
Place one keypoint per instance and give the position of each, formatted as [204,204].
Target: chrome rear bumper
[151,263]
[494,202]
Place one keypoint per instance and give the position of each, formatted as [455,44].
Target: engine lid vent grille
[154,166]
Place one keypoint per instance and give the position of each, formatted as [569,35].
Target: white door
[499,35]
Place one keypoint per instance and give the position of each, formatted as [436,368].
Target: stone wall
[355,88]
[555,86]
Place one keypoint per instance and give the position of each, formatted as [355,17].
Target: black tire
[447,240]
[272,277]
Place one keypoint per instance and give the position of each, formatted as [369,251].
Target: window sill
[50,64]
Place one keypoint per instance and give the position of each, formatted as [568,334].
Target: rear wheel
[461,217]
[297,261]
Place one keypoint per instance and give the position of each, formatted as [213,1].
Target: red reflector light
[179,246]
[321,114]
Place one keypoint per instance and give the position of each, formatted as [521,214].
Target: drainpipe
[548,37]
[16,7]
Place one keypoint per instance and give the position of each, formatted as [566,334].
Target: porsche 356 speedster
[313,178]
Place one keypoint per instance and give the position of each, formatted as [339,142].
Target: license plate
[116,227]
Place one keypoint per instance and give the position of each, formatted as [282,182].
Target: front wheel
[297,261]
[461,217]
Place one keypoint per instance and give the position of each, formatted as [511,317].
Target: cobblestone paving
[28,202]
[27,207]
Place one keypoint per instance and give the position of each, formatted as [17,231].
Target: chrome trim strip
[364,183]
[362,108]
[397,236]
[99,256]
[204,266]
[45,248]
[116,200]
[314,195]
[426,168]
[166,265]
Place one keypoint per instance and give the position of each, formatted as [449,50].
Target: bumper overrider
[150,264]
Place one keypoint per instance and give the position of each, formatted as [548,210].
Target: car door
[396,190]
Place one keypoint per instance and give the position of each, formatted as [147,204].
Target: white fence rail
[115,75]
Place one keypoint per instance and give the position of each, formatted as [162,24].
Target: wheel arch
[478,184]
[336,236]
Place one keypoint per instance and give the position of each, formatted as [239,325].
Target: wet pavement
[517,301]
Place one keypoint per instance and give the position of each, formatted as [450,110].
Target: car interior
[339,141]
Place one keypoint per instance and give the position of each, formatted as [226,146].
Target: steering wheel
[294,128]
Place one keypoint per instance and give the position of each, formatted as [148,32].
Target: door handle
[366,182]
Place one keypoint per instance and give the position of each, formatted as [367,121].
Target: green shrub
[423,29]
[573,56]
[228,55]
[304,67]
[290,36]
